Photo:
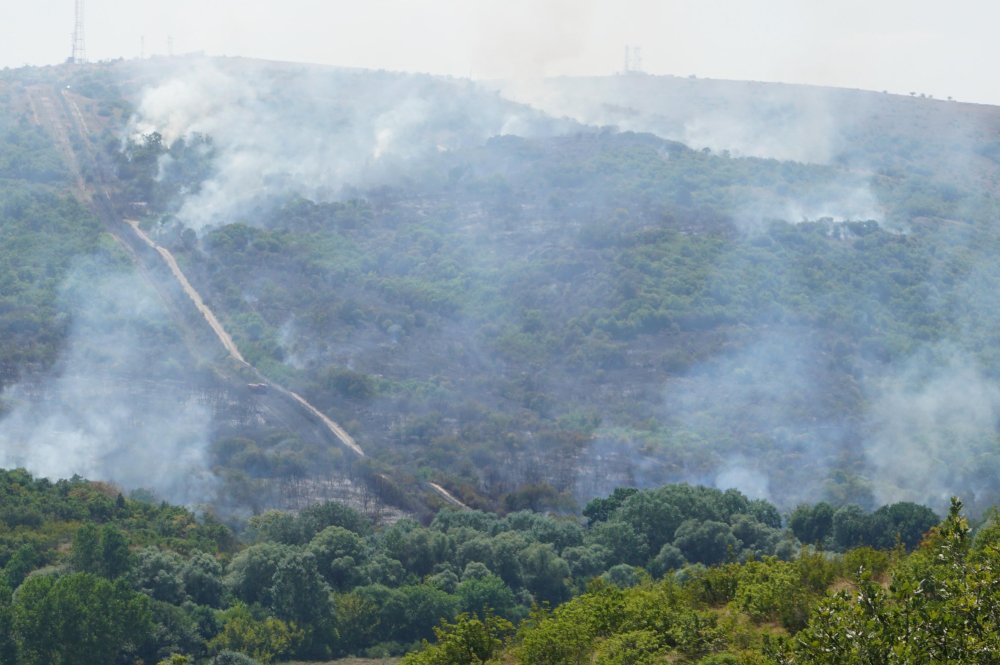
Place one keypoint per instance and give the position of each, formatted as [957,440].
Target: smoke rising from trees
[120,406]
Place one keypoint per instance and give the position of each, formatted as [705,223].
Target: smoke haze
[284,131]
[119,407]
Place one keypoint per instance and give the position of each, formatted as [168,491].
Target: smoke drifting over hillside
[474,287]
[933,430]
[849,200]
[768,398]
[744,119]
[283,130]
[116,408]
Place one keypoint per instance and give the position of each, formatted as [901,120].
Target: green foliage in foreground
[940,604]
[682,573]
[80,619]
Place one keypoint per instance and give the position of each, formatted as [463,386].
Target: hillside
[89,576]
[856,129]
[526,309]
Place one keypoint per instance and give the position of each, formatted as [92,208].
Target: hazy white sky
[929,46]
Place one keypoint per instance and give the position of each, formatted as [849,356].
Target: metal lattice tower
[633,59]
[79,51]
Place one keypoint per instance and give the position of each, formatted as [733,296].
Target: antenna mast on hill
[79,52]
[633,60]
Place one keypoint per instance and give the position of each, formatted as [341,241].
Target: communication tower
[633,60]
[79,51]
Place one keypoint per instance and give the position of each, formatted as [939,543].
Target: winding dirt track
[46,111]
[448,496]
[60,115]
[230,345]
[337,430]
[178,274]
[227,341]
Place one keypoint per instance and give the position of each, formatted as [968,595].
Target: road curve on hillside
[60,114]
[227,341]
[337,430]
[448,496]
[193,294]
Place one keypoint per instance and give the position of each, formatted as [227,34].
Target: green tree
[905,521]
[158,574]
[85,556]
[479,595]
[419,549]
[598,510]
[251,572]
[8,644]
[275,526]
[637,647]
[470,640]
[172,630]
[319,516]
[653,515]
[358,620]
[707,542]
[202,577]
[851,527]
[115,557]
[667,559]
[625,544]
[24,560]
[546,575]
[300,596]
[263,639]
[812,524]
[414,610]
[586,561]
[234,658]
[943,606]
[80,619]
[339,554]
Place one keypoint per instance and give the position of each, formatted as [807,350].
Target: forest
[92,576]
[621,393]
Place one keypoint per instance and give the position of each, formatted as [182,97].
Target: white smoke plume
[755,408]
[744,119]
[105,415]
[743,474]
[287,130]
[933,430]
[843,200]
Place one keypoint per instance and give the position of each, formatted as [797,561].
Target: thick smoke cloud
[744,119]
[848,199]
[757,407]
[759,403]
[114,410]
[281,130]
[933,430]
[928,421]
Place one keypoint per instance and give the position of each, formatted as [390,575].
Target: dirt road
[61,116]
[448,496]
[175,270]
